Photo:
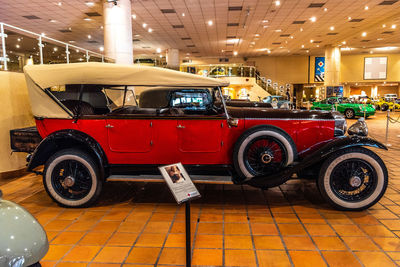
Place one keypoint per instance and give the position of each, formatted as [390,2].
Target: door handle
[109,126]
[180,127]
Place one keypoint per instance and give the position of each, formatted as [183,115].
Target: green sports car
[343,105]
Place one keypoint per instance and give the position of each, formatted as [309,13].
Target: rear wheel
[349,113]
[262,151]
[353,179]
[384,107]
[72,178]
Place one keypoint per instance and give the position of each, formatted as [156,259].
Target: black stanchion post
[188,245]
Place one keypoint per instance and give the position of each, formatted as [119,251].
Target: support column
[118,31]
[332,66]
[172,58]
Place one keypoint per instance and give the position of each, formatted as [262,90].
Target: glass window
[191,101]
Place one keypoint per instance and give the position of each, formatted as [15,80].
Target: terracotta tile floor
[137,224]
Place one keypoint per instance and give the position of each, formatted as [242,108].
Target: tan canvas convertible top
[40,77]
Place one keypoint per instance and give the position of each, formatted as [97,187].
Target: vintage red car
[94,130]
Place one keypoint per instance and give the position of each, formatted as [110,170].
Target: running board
[200,179]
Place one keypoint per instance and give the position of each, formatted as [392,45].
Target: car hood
[269,113]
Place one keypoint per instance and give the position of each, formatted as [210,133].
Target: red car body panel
[190,140]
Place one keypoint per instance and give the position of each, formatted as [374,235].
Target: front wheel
[353,179]
[72,178]
[349,113]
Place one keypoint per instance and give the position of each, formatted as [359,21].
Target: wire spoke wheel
[71,179]
[353,180]
[264,155]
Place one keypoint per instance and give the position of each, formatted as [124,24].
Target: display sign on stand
[183,190]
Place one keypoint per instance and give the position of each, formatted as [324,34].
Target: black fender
[67,139]
[317,156]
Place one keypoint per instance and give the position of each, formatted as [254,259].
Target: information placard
[179,182]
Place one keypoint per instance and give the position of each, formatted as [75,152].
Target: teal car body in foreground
[23,241]
[344,106]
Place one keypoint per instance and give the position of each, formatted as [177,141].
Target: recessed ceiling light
[77,50]
[311,41]
[150,30]
[59,4]
[160,56]
[137,35]
[332,28]
[393,26]
[265,26]
[317,45]
[17,46]
[222,50]
[52,20]
[344,42]
[308,51]
[291,37]
[349,18]
[371,52]
[265,21]
[325,9]
[364,34]
[90,4]
[269,51]
[257,34]
[89,36]
[101,27]
[87,19]
[235,53]
[144,25]
[379,39]
[301,29]
[134,16]
[313,19]
[278,30]
[158,50]
[210,23]
[383,25]
[101,48]
[183,14]
[302,46]
[277,3]
[366,8]
[55,48]
[19,39]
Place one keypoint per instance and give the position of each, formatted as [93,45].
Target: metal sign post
[183,190]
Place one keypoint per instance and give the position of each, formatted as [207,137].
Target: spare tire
[262,151]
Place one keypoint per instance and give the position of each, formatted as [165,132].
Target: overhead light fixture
[101,48]
[301,29]
[87,19]
[393,26]
[134,16]
[383,25]
[313,19]
[265,21]
[183,14]
[256,35]
[89,36]
[277,3]
[364,34]
[90,4]
[344,42]
[371,52]
[269,51]
[291,37]
[311,41]
[43,34]
[150,30]
[101,27]
[235,53]
[325,9]
[77,50]
[19,39]
[52,20]
[59,4]
[349,18]
[55,49]
[366,8]
[158,50]
[302,46]
[144,25]
[332,28]
[160,56]
[387,48]
[265,26]
[346,48]
[379,39]
[210,23]
[17,46]
[278,30]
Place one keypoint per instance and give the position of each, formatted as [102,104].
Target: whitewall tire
[72,178]
[353,179]
[263,150]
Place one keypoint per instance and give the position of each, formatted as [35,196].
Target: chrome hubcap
[266,158]
[355,181]
[69,181]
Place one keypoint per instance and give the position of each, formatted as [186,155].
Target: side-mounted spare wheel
[262,151]
[353,179]
[72,178]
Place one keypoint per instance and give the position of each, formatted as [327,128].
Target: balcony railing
[19,47]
